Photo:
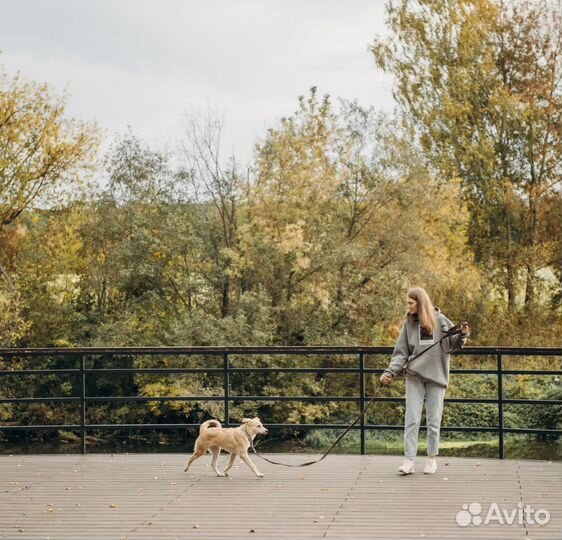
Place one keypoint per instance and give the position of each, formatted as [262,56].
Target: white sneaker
[407,467]
[430,465]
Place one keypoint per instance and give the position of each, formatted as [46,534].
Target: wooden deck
[346,496]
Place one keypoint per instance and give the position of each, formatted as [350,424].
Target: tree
[335,221]
[480,82]
[41,149]
[42,154]
[214,188]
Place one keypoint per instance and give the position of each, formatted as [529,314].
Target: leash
[454,330]
[325,454]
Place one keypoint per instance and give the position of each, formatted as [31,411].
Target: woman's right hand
[385,379]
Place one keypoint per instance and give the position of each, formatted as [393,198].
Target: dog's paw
[221,474]
[225,473]
[260,475]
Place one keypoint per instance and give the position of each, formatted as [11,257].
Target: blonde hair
[426,311]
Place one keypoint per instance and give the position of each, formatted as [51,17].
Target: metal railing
[360,353]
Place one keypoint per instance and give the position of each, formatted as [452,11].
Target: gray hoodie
[432,366]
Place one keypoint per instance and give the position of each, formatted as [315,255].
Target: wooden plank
[347,496]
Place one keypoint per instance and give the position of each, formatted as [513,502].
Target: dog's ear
[246,420]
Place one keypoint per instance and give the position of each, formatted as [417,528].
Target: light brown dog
[236,441]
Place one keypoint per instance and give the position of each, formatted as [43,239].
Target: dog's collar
[247,435]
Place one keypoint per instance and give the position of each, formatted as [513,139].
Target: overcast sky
[142,63]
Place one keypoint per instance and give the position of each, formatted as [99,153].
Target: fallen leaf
[112,506]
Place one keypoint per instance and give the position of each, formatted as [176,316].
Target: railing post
[500,405]
[226,390]
[362,399]
[83,404]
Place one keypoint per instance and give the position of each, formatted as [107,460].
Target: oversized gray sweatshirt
[432,366]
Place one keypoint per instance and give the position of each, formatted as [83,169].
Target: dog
[236,441]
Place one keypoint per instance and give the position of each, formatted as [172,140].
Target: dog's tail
[208,424]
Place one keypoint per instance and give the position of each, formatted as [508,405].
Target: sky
[145,64]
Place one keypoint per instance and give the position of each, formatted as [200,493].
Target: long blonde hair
[426,311]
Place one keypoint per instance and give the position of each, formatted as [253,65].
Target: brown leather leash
[448,333]
[326,453]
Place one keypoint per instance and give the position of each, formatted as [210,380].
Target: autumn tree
[43,153]
[480,82]
[42,149]
[334,223]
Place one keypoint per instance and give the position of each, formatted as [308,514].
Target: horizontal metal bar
[255,370]
[383,427]
[349,399]
[533,401]
[531,372]
[211,351]
[102,371]
[39,371]
[40,400]
[41,428]
[141,426]
[92,399]
[294,370]
[221,370]
[313,350]
[464,371]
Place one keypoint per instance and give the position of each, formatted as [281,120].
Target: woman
[427,376]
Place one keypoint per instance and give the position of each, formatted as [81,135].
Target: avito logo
[471,515]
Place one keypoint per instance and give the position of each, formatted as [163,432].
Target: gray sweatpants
[416,391]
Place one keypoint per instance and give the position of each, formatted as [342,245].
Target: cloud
[141,63]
